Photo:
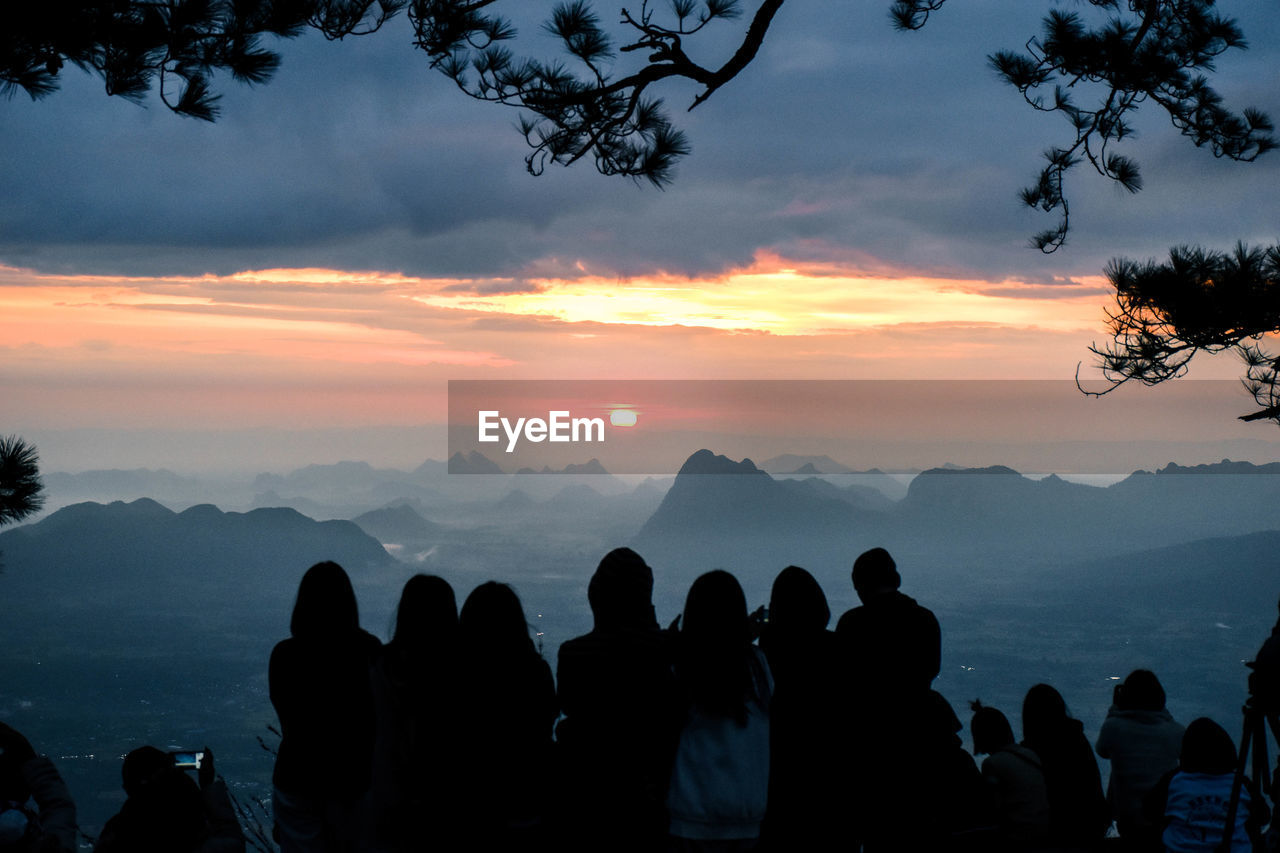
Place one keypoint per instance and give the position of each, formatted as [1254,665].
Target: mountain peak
[706,462]
[474,462]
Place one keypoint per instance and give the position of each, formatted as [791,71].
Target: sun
[622,417]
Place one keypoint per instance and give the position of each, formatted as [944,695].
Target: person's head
[1207,748]
[492,621]
[875,572]
[1142,691]
[621,592]
[165,816]
[141,766]
[326,603]
[715,611]
[797,603]
[427,615]
[990,729]
[1044,711]
[713,663]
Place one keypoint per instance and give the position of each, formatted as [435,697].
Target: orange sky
[325,348]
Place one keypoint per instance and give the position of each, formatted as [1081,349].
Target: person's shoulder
[284,650]
[1024,753]
[849,619]
[579,646]
[901,599]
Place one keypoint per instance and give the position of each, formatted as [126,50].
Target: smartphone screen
[187,760]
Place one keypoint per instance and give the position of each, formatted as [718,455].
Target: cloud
[844,138]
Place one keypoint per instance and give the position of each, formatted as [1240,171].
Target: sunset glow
[316,346]
[785,300]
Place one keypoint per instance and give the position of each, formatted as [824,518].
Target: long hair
[427,616]
[797,603]
[714,660]
[326,604]
[492,623]
[990,728]
[1142,691]
[1044,715]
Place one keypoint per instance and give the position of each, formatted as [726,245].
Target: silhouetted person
[720,781]
[950,807]
[415,690]
[319,679]
[1264,680]
[1077,806]
[1142,741]
[891,650]
[894,644]
[167,812]
[506,710]
[808,808]
[1190,803]
[37,814]
[621,717]
[1016,779]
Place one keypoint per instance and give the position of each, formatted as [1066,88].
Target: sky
[354,233]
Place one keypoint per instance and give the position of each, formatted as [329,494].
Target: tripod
[1256,734]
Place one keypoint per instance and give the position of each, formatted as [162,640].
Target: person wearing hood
[808,805]
[621,715]
[1142,741]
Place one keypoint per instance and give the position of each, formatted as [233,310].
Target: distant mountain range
[141,558]
[791,463]
[1224,574]
[717,511]
[950,516]
[474,462]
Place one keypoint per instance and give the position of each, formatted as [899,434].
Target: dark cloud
[492,287]
[845,140]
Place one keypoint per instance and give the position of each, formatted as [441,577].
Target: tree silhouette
[599,103]
[20,486]
[1144,50]
[132,44]
[1197,301]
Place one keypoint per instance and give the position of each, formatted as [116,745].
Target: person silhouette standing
[506,710]
[415,692]
[622,715]
[319,683]
[891,650]
[720,779]
[807,806]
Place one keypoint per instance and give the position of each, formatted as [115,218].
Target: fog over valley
[139,614]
